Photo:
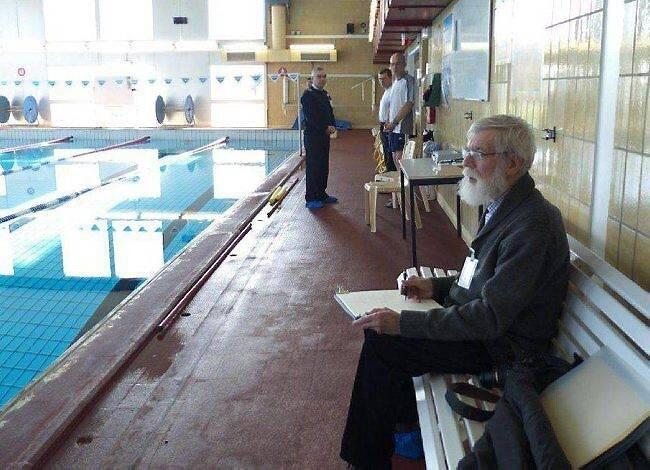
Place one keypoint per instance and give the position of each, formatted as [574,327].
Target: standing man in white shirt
[385,78]
[402,100]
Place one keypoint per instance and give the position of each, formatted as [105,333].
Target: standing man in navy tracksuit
[319,125]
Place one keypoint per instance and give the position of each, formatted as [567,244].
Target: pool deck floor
[259,374]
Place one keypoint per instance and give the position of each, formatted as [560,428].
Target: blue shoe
[330,200]
[313,205]
[409,444]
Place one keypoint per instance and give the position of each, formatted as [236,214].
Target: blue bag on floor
[409,444]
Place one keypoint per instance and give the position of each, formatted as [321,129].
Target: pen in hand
[404,289]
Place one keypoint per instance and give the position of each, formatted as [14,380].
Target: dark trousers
[388,155]
[317,147]
[383,393]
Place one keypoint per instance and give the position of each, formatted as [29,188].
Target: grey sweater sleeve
[504,295]
[441,286]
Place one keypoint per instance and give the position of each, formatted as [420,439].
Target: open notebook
[356,304]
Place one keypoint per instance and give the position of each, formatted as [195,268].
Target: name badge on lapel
[467,274]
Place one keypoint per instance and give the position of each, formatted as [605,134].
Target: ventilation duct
[278,27]
[240,56]
[315,56]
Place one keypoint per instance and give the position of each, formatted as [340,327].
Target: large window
[125,19]
[238,93]
[72,20]
[72,105]
[242,20]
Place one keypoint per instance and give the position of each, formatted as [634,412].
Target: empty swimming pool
[80,234]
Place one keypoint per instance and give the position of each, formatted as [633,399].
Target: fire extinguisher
[431,115]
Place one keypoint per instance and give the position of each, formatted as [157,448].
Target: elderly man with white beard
[504,306]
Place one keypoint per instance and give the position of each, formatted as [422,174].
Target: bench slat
[605,333]
[568,346]
[627,322]
[425,272]
[620,284]
[433,451]
[439,272]
[578,331]
[447,421]
[474,429]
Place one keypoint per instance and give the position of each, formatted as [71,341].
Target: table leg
[413,245]
[403,209]
[459,228]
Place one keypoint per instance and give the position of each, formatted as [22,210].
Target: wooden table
[424,172]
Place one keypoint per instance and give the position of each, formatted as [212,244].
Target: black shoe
[389,204]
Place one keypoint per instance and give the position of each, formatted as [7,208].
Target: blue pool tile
[42,362]
[13,376]
[25,377]
[60,348]
[6,392]
[25,361]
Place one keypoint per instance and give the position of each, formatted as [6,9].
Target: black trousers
[317,147]
[388,155]
[383,393]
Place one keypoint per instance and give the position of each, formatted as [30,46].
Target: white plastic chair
[388,183]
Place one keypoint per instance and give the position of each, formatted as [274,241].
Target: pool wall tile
[178,135]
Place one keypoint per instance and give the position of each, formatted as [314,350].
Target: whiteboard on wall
[470,56]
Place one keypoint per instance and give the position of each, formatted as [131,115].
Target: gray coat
[516,295]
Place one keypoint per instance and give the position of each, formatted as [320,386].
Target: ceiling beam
[416,29]
[411,22]
[403,7]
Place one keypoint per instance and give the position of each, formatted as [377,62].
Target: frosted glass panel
[125,19]
[72,20]
[240,21]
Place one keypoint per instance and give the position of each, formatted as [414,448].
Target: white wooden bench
[602,307]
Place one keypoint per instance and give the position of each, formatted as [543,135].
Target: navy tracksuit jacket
[318,115]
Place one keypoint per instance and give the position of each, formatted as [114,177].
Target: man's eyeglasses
[477,155]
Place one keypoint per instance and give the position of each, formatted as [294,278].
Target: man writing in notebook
[503,307]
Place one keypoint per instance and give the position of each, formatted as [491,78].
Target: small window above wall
[72,20]
[125,20]
[241,20]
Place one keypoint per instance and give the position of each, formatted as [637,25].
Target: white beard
[482,191]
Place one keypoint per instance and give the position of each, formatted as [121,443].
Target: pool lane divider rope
[38,145]
[37,166]
[214,144]
[60,200]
